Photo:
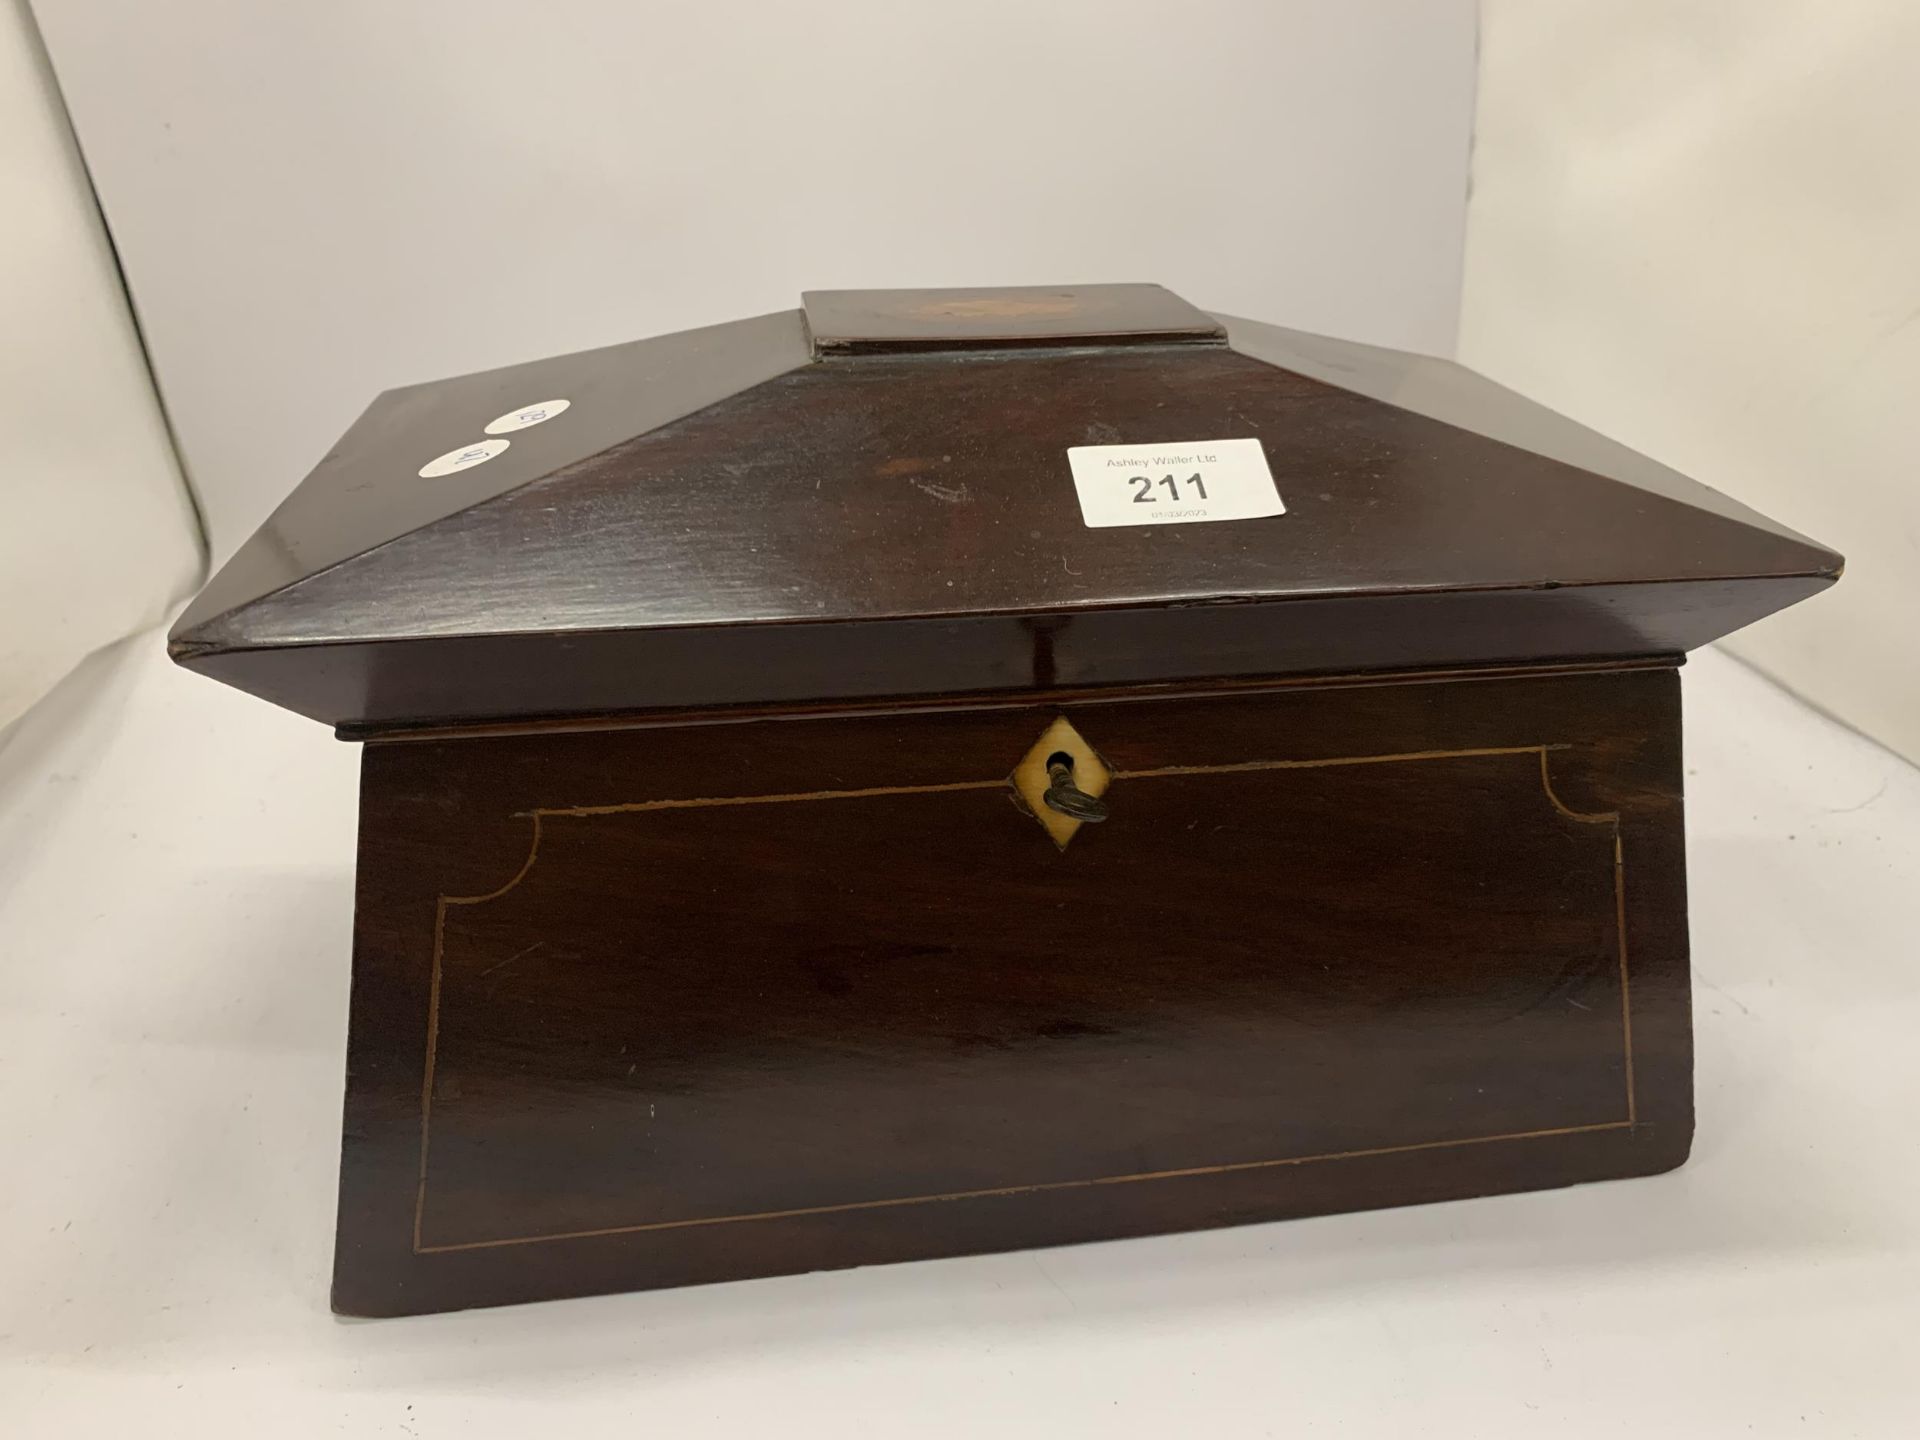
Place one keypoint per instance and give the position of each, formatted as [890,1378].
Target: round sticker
[527,415]
[465,458]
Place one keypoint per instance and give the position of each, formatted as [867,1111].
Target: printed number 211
[1144,495]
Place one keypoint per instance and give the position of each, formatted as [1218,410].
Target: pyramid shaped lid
[908,493]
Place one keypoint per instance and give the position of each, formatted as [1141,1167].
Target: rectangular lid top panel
[948,498]
[878,322]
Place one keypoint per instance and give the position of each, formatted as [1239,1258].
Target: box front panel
[682,1003]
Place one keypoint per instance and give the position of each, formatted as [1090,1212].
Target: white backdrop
[317,201]
[1696,227]
[97,537]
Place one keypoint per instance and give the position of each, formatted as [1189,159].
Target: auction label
[1174,484]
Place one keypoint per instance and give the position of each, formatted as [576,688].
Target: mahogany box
[945,771]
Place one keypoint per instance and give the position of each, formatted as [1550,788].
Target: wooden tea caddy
[731,900]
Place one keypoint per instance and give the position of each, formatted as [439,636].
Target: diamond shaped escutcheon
[1030,778]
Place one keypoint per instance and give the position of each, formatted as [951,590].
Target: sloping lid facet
[762,512]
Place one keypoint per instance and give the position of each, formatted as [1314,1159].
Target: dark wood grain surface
[378,687]
[366,491]
[720,519]
[659,1004]
[700,933]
